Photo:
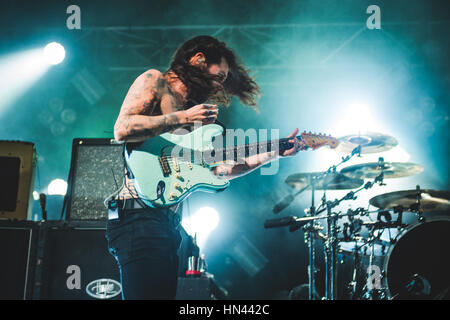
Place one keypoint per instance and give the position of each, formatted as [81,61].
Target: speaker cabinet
[76,264]
[17,170]
[18,241]
[96,171]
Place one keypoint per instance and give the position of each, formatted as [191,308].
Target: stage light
[19,72]
[57,187]
[54,53]
[35,195]
[201,224]
[357,117]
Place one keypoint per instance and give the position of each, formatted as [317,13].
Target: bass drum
[417,266]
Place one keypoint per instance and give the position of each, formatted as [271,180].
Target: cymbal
[321,181]
[370,142]
[430,200]
[390,170]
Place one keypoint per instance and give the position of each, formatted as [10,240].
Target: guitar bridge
[164,163]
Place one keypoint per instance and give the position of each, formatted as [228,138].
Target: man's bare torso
[171,100]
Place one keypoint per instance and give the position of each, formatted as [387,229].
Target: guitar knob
[178,175]
[177,185]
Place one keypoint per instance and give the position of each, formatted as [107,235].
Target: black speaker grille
[95,163]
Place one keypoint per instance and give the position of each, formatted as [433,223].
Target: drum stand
[312,230]
[309,239]
[331,238]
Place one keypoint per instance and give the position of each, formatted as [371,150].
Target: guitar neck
[243,151]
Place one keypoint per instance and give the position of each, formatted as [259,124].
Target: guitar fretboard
[235,153]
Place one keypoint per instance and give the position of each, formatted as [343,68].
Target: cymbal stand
[330,253]
[419,207]
[310,228]
[331,243]
[373,293]
[309,239]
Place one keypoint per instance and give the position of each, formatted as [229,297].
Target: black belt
[124,207]
[132,204]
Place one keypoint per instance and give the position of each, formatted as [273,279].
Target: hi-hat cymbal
[390,170]
[370,142]
[321,181]
[430,200]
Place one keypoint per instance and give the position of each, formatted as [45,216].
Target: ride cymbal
[370,142]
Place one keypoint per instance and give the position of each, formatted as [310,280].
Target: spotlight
[201,224]
[57,187]
[54,53]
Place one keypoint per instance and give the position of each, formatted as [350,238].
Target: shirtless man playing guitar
[144,240]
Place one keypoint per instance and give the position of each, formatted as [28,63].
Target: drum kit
[403,253]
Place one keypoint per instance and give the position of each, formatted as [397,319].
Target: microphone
[281,222]
[42,202]
[286,201]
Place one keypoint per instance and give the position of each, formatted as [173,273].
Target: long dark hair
[200,83]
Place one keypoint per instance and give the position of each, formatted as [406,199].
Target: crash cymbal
[430,200]
[329,181]
[370,142]
[390,170]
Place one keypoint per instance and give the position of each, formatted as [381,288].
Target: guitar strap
[126,153]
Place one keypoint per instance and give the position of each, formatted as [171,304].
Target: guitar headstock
[315,141]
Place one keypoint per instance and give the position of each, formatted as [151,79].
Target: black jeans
[145,243]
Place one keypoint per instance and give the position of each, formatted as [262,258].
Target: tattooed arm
[234,170]
[231,171]
[135,122]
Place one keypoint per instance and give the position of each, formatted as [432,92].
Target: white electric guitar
[168,168]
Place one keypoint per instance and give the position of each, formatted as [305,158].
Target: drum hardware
[315,181]
[331,238]
[387,234]
[327,180]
